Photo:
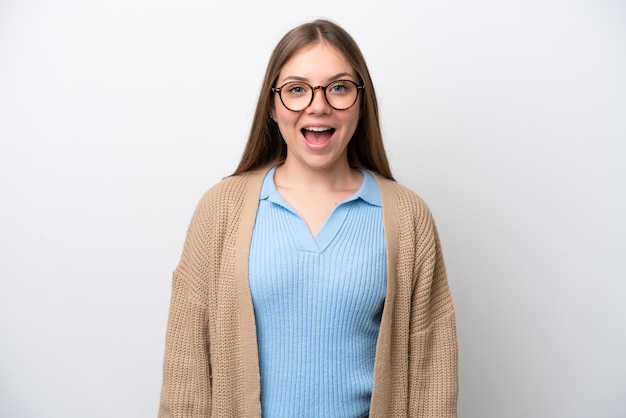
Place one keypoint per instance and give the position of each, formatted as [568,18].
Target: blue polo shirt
[318,302]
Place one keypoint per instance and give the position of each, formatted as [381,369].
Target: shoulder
[224,200]
[401,197]
[407,216]
[233,190]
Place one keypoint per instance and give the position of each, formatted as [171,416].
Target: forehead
[318,61]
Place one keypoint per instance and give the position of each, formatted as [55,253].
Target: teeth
[317,128]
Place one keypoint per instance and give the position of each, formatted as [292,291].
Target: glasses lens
[296,96]
[341,94]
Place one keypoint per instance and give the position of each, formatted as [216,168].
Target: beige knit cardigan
[211,360]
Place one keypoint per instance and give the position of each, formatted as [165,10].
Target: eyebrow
[333,78]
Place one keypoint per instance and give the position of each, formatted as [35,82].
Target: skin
[316,175]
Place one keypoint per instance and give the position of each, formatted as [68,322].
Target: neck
[337,177]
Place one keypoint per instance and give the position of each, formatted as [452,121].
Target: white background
[508,117]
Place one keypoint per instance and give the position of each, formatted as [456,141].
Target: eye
[340,87]
[296,89]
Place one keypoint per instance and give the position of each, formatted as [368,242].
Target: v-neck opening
[332,225]
[319,242]
[325,235]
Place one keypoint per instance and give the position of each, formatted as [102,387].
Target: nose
[319,103]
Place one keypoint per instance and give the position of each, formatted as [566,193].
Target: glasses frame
[279,90]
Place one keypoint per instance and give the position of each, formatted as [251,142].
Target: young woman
[311,284]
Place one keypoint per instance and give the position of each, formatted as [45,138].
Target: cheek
[286,124]
[353,119]
[285,118]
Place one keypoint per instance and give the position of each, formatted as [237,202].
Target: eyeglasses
[298,95]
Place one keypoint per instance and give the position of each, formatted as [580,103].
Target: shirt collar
[368,192]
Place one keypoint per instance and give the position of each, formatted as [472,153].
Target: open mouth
[317,134]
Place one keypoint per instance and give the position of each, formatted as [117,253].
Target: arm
[186,390]
[433,361]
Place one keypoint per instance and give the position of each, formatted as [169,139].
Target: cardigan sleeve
[433,362]
[186,389]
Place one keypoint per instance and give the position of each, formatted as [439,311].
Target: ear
[271,112]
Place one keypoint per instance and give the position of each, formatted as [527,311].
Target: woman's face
[316,137]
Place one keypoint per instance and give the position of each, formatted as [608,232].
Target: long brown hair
[265,145]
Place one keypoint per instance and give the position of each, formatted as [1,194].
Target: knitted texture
[211,366]
[318,303]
